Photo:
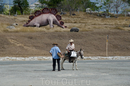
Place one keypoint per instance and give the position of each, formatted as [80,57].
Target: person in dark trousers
[54,50]
[70,47]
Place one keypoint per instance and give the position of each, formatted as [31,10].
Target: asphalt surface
[90,73]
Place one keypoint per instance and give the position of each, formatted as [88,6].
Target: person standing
[70,47]
[54,50]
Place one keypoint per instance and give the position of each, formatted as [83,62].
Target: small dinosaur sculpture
[45,17]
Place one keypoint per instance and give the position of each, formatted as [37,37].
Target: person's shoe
[70,61]
[58,70]
[53,70]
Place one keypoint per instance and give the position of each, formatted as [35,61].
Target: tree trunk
[70,11]
[21,10]
[117,10]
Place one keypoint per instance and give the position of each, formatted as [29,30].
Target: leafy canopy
[21,5]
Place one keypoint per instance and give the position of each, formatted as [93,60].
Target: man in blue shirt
[54,50]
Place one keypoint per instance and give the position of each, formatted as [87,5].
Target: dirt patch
[39,43]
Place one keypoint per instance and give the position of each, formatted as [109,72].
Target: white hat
[71,40]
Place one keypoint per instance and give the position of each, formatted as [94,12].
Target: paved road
[90,73]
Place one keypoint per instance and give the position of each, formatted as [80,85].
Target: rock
[62,13]
[107,16]
[15,14]
[73,14]
[116,16]
[128,13]
[74,29]
[10,27]
[14,24]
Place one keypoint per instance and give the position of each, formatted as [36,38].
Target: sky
[92,0]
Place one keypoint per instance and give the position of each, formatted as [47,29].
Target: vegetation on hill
[114,6]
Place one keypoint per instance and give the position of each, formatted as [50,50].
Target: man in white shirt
[70,47]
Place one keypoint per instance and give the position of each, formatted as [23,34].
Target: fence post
[107,37]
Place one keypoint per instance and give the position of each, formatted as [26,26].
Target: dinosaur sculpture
[45,17]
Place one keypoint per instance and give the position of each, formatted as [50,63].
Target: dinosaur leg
[51,22]
[37,24]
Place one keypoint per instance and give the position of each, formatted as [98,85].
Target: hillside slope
[39,43]
[32,41]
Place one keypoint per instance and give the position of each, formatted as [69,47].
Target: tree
[21,4]
[89,4]
[128,1]
[70,5]
[108,5]
[115,5]
[43,2]
[105,5]
[6,9]
[118,5]
[14,9]
[1,6]
[53,3]
[50,3]
[126,6]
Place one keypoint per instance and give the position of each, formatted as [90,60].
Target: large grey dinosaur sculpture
[45,17]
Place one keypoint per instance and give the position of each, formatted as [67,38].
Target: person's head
[54,44]
[71,41]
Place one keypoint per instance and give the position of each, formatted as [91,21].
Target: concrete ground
[90,73]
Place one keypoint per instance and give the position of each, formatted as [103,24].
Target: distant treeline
[22,6]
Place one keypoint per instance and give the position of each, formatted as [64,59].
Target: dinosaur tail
[25,25]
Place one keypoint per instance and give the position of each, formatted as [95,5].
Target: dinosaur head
[62,24]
